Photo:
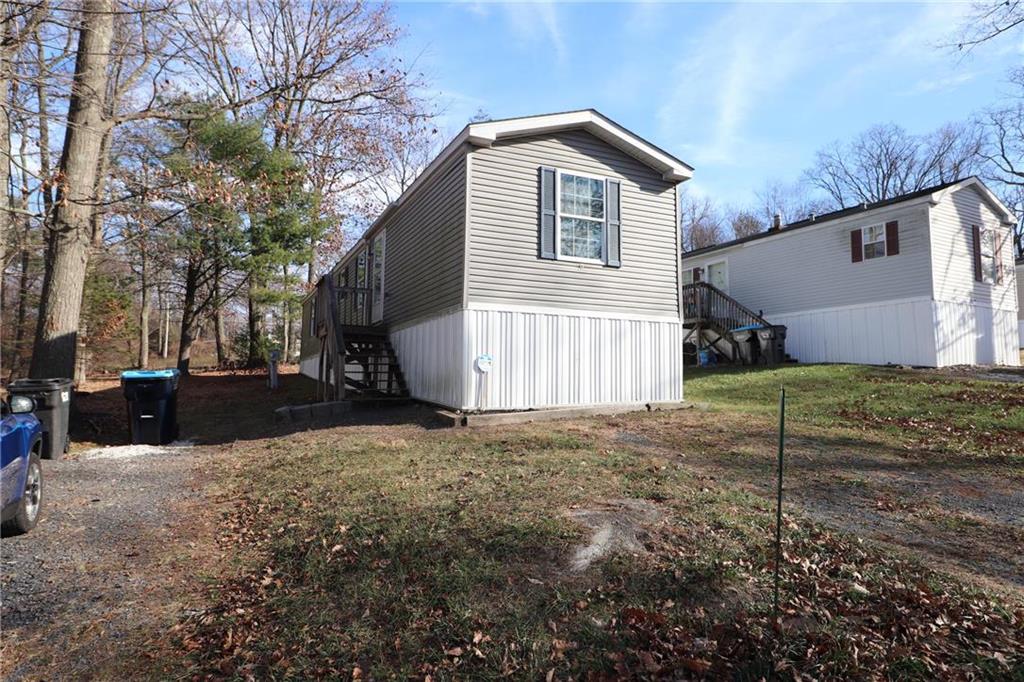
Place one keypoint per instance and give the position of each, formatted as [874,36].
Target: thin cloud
[530,23]
[742,59]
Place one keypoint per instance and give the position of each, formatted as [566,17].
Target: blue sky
[744,92]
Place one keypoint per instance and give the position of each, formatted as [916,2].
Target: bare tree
[70,236]
[989,20]
[1003,152]
[886,161]
[700,223]
[745,223]
[790,201]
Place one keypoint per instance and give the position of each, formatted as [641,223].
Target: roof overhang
[486,133]
[1008,217]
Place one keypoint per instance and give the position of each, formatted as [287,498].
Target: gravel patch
[139,450]
[82,582]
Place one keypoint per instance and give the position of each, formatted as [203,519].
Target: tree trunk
[255,327]
[188,317]
[144,318]
[25,228]
[218,334]
[165,349]
[6,52]
[69,239]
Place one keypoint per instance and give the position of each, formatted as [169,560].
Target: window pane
[582,238]
[875,250]
[988,242]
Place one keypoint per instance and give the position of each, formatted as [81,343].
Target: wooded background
[179,172]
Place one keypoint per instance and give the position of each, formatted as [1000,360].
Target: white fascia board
[486,133]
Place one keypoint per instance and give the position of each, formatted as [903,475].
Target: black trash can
[53,409]
[152,405]
[773,344]
[746,340]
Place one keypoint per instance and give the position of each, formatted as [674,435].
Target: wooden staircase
[357,362]
[372,371]
[711,316]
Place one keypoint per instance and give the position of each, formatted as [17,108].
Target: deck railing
[703,303]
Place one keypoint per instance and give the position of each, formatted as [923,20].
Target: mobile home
[922,279]
[533,264]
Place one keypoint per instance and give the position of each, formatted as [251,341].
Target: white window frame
[725,269]
[989,277]
[377,306]
[603,260]
[864,242]
[361,280]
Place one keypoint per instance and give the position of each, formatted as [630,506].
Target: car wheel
[31,500]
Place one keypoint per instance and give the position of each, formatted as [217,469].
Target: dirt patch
[617,525]
[959,514]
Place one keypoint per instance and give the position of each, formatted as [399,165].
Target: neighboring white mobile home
[533,264]
[1020,302]
[923,279]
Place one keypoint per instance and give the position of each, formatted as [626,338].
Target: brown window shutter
[976,235]
[999,259]
[892,238]
[856,246]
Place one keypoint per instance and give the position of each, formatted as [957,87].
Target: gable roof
[933,194]
[486,133]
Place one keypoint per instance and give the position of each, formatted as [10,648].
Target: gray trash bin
[772,344]
[747,341]
[53,409]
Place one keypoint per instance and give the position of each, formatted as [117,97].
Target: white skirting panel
[971,334]
[431,355]
[308,366]
[899,332]
[1020,333]
[556,358]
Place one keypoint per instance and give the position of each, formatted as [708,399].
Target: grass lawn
[952,414]
[398,551]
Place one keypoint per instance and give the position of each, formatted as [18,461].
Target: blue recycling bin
[152,397]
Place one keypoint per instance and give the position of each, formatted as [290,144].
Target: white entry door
[718,277]
[377,314]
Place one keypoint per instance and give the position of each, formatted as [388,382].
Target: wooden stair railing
[707,309]
[705,303]
[357,360]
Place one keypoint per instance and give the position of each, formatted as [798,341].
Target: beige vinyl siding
[504,266]
[810,268]
[1020,292]
[424,248]
[953,251]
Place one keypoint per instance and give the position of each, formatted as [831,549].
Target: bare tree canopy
[886,161]
[989,20]
[700,223]
[790,201]
[745,223]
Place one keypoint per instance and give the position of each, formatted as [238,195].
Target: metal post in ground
[778,503]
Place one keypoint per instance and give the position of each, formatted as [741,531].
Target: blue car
[21,479]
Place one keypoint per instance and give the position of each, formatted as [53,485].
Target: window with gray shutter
[613,224]
[547,218]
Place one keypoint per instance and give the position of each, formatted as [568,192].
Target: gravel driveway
[77,589]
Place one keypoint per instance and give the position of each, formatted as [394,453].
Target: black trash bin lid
[37,384]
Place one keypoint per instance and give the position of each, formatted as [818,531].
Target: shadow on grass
[222,407]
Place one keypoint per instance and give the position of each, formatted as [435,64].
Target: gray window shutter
[547,217]
[613,223]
